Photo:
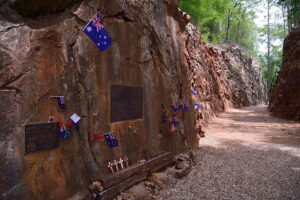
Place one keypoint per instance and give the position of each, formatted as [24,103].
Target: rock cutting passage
[117,91]
[246,154]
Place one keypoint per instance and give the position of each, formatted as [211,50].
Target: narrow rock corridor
[246,154]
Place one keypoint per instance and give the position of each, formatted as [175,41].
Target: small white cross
[173,129]
[121,163]
[116,164]
[126,160]
[110,166]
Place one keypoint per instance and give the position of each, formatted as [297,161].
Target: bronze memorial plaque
[126,103]
[40,137]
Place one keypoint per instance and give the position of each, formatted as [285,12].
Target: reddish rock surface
[153,46]
[222,77]
[285,98]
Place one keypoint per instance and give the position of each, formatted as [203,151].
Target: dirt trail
[246,154]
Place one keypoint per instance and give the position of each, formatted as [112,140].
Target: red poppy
[60,122]
[98,137]
[69,124]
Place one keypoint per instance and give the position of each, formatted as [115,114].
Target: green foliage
[207,16]
[224,21]
[276,32]
[293,11]
[233,21]
[275,63]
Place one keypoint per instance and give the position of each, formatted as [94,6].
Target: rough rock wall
[222,77]
[285,98]
[43,52]
[50,55]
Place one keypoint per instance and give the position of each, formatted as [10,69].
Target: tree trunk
[298,16]
[283,17]
[269,49]
[289,17]
[237,38]
[211,30]
[228,25]
[238,28]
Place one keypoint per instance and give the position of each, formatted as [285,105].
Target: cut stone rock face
[285,98]
[44,53]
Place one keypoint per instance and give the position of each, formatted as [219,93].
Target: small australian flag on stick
[96,32]
[111,139]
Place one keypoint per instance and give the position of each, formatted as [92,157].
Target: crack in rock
[78,19]
[120,15]
[9,28]
[17,90]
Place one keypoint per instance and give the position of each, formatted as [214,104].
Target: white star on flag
[89,29]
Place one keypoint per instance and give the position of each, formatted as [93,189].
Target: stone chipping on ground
[246,155]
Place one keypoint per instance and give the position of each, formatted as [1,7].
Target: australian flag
[61,103]
[197,105]
[96,32]
[111,139]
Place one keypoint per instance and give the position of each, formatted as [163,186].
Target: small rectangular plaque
[126,103]
[40,137]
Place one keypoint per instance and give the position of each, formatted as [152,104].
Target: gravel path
[246,154]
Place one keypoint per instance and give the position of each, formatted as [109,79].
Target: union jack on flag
[96,32]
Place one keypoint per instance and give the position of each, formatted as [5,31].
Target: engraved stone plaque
[126,103]
[40,137]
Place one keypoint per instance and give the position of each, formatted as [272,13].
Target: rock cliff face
[44,53]
[285,98]
[223,77]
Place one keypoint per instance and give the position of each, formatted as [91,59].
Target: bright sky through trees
[261,21]
[248,24]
